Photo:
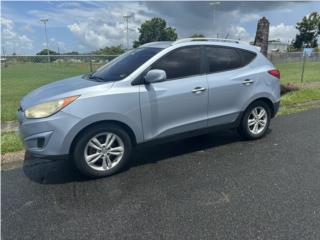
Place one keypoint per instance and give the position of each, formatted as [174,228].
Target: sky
[89,25]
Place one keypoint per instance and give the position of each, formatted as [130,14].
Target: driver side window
[180,63]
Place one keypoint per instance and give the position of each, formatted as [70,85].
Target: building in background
[277,46]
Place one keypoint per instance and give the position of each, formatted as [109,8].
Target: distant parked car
[157,91]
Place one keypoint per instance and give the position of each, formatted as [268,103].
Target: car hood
[63,88]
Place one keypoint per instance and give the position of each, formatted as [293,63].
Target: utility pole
[213,6]
[126,18]
[58,48]
[3,52]
[3,57]
[44,21]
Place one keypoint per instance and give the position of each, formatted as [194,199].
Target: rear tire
[102,150]
[255,121]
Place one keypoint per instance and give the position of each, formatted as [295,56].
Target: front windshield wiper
[93,77]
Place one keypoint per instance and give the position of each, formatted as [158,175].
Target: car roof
[216,42]
[160,44]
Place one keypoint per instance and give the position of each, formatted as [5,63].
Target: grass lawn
[20,78]
[291,72]
[300,100]
[10,142]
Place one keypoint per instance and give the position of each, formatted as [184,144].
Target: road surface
[215,186]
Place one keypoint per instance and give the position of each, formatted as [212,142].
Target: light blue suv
[157,91]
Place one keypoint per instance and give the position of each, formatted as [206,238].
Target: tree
[155,30]
[71,53]
[45,52]
[113,50]
[309,30]
[197,35]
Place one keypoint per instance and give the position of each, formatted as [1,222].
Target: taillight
[275,73]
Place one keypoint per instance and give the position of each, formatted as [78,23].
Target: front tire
[255,121]
[102,150]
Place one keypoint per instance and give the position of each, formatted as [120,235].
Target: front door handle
[198,90]
[247,82]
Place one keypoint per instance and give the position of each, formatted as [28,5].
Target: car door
[178,104]
[231,83]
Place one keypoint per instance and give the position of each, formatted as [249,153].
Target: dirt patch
[309,85]
[12,160]
[9,126]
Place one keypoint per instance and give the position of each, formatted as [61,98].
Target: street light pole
[213,5]
[44,21]
[126,17]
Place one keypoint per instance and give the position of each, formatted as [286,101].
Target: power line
[213,5]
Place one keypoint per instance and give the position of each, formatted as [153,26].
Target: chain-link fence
[296,67]
[57,62]
[292,57]
[92,61]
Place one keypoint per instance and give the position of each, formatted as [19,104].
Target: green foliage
[113,50]
[291,72]
[18,79]
[309,30]
[300,100]
[155,30]
[10,142]
[45,52]
[71,53]
[197,35]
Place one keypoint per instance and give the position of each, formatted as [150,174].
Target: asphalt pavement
[215,186]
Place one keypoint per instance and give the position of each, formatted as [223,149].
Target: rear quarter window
[246,56]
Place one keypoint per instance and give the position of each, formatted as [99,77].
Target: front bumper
[47,136]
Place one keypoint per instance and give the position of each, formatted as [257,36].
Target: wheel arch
[268,101]
[104,122]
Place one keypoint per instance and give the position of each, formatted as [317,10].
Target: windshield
[125,64]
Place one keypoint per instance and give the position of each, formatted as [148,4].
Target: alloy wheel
[104,151]
[257,120]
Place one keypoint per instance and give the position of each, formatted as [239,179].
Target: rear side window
[246,56]
[222,59]
[180,63]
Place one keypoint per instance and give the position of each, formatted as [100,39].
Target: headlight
[48,108]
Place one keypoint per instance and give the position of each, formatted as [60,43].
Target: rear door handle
[247,82]
[198,90]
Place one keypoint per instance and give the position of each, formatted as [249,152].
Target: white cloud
[244,18]
[96,36]
[12,41]
[27,28]
[282,32]
[238,32]
[6,23]
[107,26]
[95,24]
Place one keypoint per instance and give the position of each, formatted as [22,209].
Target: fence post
[91,68]
[303,63]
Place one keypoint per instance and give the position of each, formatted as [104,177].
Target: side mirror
[155,75]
